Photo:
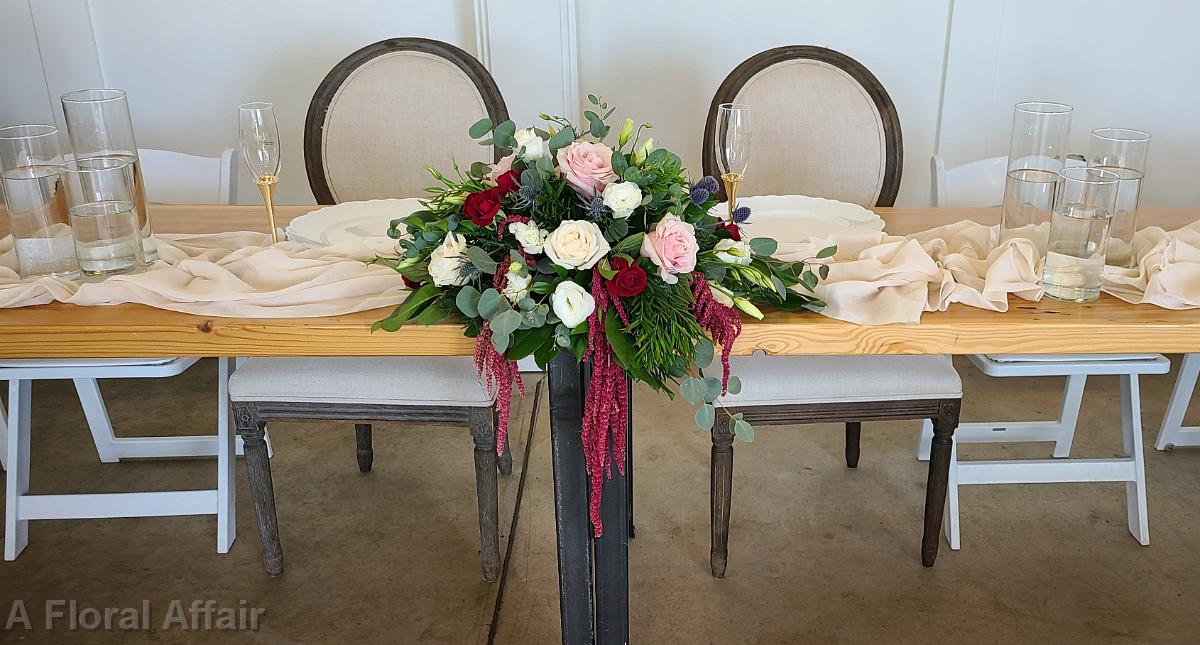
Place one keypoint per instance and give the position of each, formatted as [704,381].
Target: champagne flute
[258,135]
[733,147]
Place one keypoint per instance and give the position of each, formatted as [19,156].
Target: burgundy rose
[482,207]
[409,283]
[630,279]
[735,233]
[508,182]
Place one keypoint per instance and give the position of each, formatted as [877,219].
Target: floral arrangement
[608,252]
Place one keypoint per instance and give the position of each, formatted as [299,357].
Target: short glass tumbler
[101,201]
[37,208]
[99,125]
[1123,151]
[1079,227]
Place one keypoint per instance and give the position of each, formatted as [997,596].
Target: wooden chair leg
[366,454]
[939,473]
[853,434]
[484,435]
[721,487]
[258,469]
[505,461]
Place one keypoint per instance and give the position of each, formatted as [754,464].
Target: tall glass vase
[37,209]
[1036,153]
[99,125]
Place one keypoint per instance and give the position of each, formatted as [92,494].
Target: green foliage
[663,329]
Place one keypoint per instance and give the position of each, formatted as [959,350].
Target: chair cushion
[415,380]
[780,380]
[1068,364]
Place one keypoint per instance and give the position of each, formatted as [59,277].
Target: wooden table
[593,575]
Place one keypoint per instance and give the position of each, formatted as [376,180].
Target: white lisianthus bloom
[529,236]
[622,197]
[516,287]
[733,252]
[571,303]
[533,147]
[447,261]
[721,297]
[576,244]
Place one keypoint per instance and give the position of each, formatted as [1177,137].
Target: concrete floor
[818,553]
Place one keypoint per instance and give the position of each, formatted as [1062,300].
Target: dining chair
[1173,434]
[169,177]
[981,183]
[829,106]
[373,124]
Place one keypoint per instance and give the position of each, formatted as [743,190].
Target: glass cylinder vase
[1084,201]
[99,125]
[1036,152]
[1122,151]
[102,207]
[37,208]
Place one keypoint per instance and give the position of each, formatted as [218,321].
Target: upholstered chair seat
[368,380]
[784,380]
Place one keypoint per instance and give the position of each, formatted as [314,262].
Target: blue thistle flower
[700,195]
[595,210]
[709,183]
[741,214]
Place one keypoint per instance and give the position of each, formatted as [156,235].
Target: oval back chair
[390,109]
[825,127]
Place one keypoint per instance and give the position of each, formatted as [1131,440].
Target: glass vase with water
[104,217]
[1080,223]
[37,208]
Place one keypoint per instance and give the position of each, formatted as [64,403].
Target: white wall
[187,64]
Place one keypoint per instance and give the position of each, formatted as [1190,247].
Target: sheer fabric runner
[874,278]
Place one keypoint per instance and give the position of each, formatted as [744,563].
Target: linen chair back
[391,109]
[979,183]
[177,178]
[823,126]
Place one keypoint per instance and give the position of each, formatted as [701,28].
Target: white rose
[533,145]
[622,198]
[571,303]
[576,244]
[447,261]
[733,252]
[721,297]
[529,236]
[516,287]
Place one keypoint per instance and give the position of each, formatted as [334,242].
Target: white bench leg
[16,531]
[1060,432]
[3,439]
[951,521]
[1172,433]
[226,462]
[1131,425]
[97,419]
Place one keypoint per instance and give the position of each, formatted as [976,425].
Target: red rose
[482,207]
[735,233]
[508,182]
[409,283]
[630,279]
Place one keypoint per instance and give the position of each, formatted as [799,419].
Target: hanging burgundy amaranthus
[722,323]
[606,406]
[500,374]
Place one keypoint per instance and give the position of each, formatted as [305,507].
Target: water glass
[101,204]
[37,208]
[1123,151]
[1084,202]
[99,125]
[1036,152]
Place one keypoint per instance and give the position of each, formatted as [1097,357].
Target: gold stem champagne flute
[258,135]
[733,147]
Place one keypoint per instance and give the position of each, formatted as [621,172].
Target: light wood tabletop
[1105,326]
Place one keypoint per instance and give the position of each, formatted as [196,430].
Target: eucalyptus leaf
[827,252]
[503,134]
[809,279]
[823,270]
[481,259]
[703,353]
[712,388]
[505,322]
[480,128]
[705,416]
[560,139]
[491,303]
[734,386]
[779,288]
[619,163]
[501,342]
[467,301]
[692,390]
[764,245]
[743,430]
